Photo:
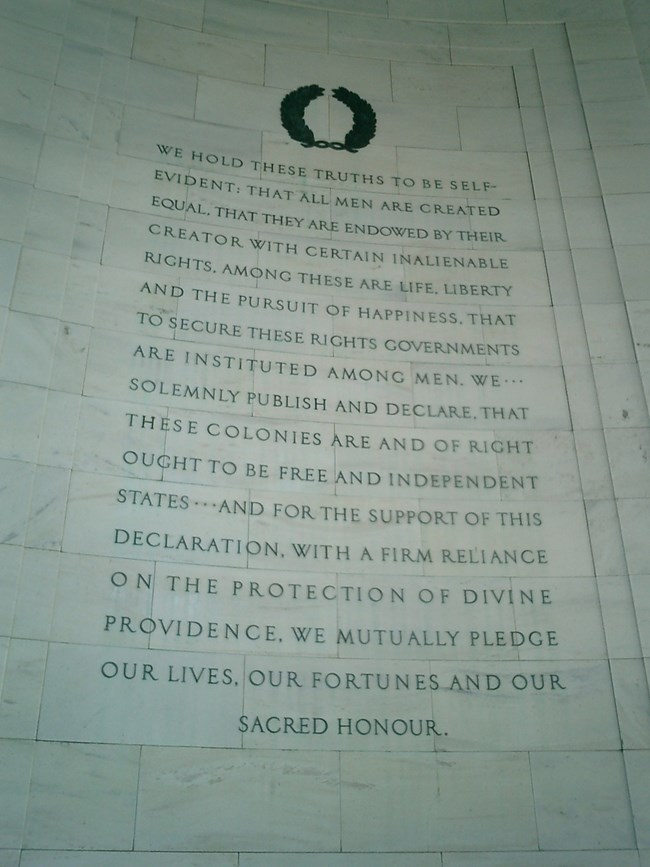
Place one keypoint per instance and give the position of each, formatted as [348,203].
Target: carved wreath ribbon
[292,115]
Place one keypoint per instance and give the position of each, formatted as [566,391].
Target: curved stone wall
[325,452]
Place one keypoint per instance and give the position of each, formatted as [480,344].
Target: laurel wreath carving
[292,115]
[365,120]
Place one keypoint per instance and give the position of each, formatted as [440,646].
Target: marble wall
[324,468]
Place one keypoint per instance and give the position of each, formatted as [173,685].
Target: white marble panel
[605,534]
[567,128]
[633,514]
[561,277]
[24,99]
[186,14]
[17,479]
[106,124]
[632,702]
[19,150]
[29,49]
[348,859]
[13,217]
[595,41]
[595,473]
[89,234]
[20,696]
[629,452]
[70,357]
[10,560]
[51,224]
[9,257]
[403,123]
[200,53]
[51,16]
[548,39]
[552,225]
[87,23]
[450,10]
[115,76]
[586,223]
[633,263]
[622,402]
[454,85]
[423,803]
[61,166]
[613,79]
[529,93]
[368,77]
[129,859]
[119,35]
[560,10]
[543,859]
[641,596]
[628,217]
[608,333]
[620,617]
[366,7]
[638,764]
[36,588]
[571,335]
[581,800]
[21,411]
[597,275]
[162,89]
[80,291]
[40,283]
[618,122]
[98,176]
[80,67]
[472,56]
[49,490]
[191,699]
[16,771]
[82,796]
[543,171]
[71,114]
[491,129]
[249,799]
[389,38]
[276,24]
[624,169]
[581,393]
[536,133]
[577,174]
[558,83]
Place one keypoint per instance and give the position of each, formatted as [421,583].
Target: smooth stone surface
[233,793]
[325,471]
